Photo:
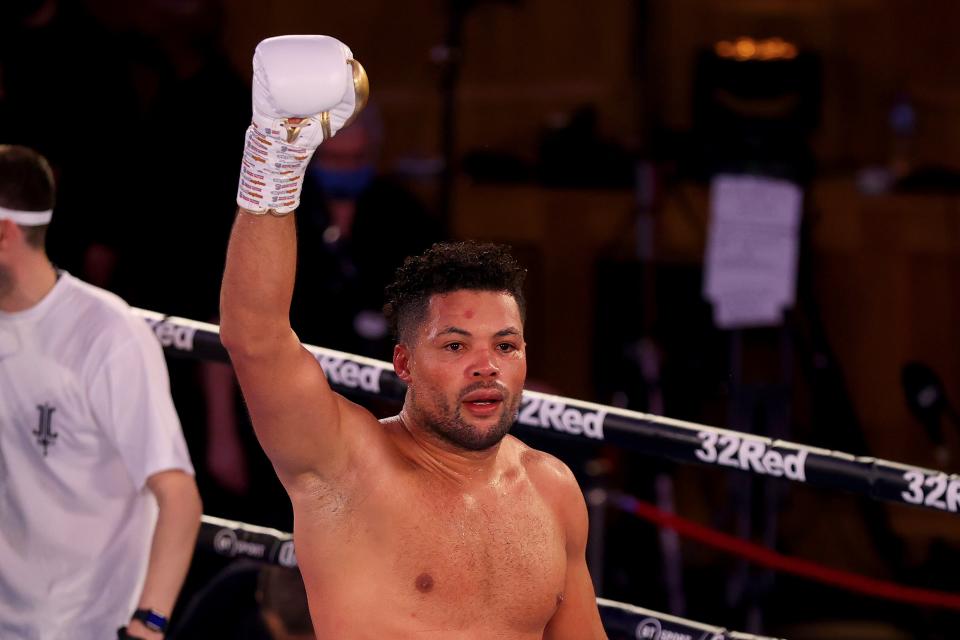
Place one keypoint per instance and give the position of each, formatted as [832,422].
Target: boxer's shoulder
[552,478]
[540,464]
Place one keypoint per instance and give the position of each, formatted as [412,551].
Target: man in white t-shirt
[99,510]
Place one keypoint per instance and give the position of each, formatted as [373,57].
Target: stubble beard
[449,425]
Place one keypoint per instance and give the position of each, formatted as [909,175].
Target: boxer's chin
[468,434]
[477,433]
[465,432]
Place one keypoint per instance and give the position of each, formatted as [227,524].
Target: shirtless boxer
[433,524]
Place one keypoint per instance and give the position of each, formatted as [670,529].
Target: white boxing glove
[305,89]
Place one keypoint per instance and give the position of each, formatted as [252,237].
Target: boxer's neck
[462,467]
[30,280]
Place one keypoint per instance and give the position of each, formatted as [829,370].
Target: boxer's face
[465,367]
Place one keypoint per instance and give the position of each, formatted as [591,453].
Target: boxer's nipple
[424,583]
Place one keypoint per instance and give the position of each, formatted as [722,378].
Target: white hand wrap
[305,89]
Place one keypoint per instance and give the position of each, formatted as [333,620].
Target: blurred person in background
[249,601]
[355,226]
[283,604]
[99,511]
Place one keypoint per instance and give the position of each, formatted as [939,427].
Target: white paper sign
[752,250]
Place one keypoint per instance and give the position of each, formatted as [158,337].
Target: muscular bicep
[295,414]
[577,617]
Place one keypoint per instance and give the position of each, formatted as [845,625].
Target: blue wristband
[151,619]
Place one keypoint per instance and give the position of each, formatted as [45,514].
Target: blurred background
[589,136]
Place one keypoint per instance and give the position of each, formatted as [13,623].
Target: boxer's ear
[401,361]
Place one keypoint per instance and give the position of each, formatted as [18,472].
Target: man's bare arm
[174,539]
[577,617]
[305,88]
[294,411]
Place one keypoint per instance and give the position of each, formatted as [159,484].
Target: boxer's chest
[462,557]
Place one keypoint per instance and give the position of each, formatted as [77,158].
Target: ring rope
[678,440]
[769,558]
[645,624]
[233,539]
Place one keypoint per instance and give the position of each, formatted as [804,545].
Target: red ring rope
[787,564]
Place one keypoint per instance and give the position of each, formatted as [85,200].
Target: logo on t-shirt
[44,431]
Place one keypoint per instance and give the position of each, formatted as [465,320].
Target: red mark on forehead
[468,313]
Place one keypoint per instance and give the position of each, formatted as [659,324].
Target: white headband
[27,218]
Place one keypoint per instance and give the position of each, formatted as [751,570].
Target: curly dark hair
[447,267]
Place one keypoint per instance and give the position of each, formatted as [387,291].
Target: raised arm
[305,88]
[293,410]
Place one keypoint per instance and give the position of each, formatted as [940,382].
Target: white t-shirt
[85,418]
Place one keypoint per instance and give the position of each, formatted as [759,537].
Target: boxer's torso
[394,549]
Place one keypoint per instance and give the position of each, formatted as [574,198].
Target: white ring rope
[686,442]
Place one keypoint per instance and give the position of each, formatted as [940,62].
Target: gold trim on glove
[361,90]
[293,129]
[361,86]
[325,125]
